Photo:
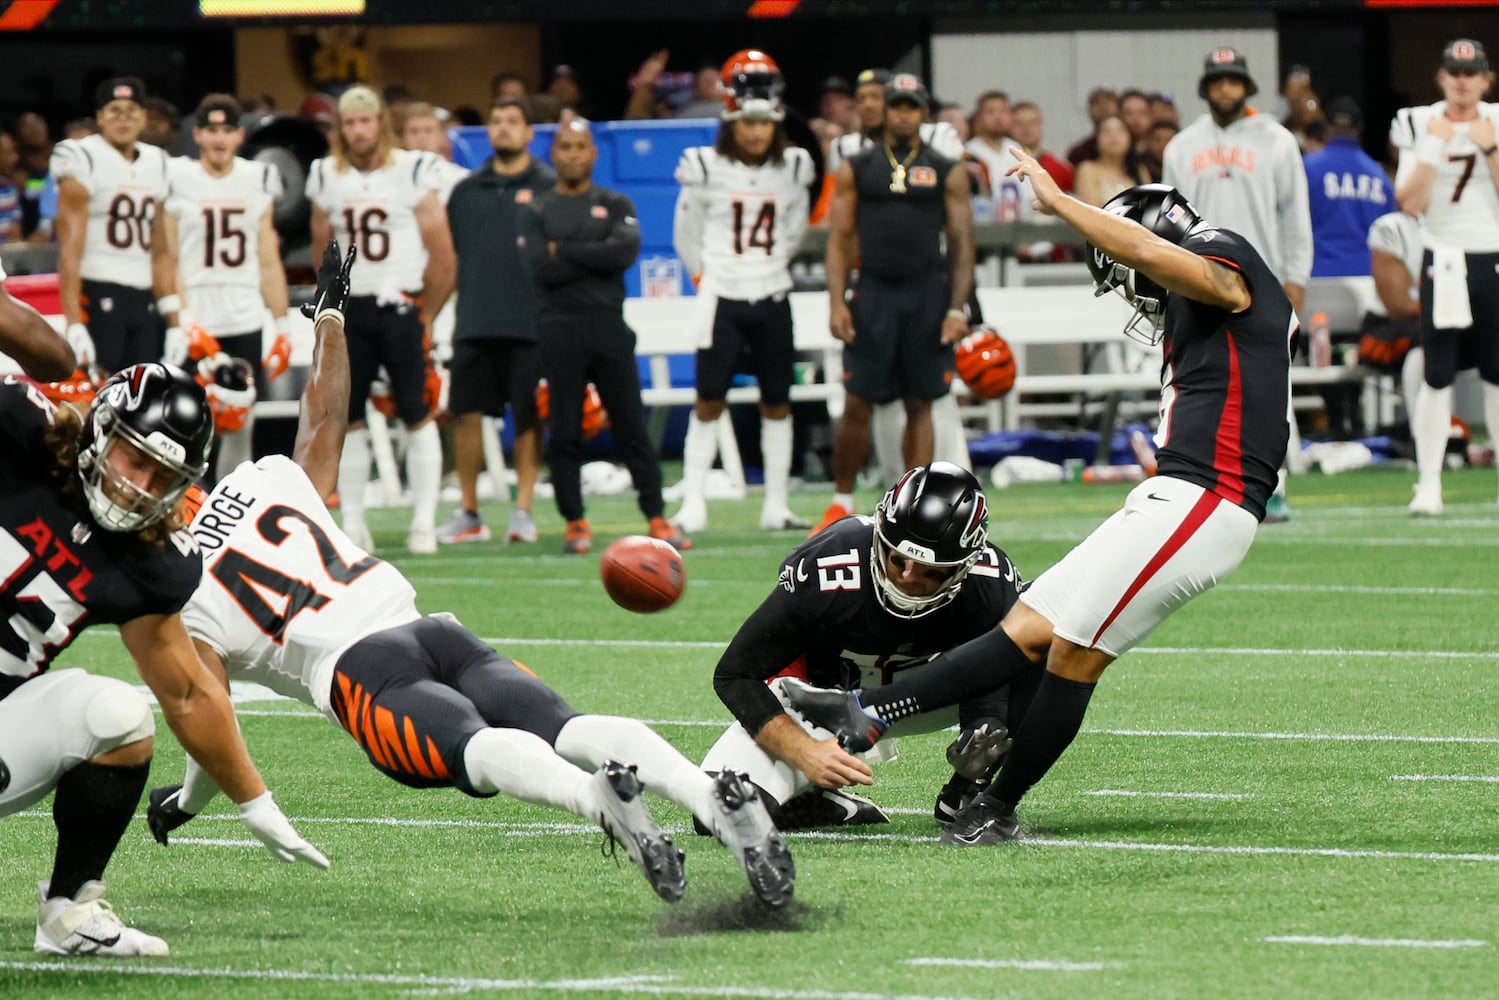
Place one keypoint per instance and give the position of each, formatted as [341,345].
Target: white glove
[81,343]
[270,825]
[175,350]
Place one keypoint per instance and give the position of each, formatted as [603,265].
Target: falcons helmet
[751,86]
[1165,211]
[935,514]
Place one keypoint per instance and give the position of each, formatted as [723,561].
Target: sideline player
[430,704]
[217,259]
[90,534]
[858,605]
[1228,332]
[740,217]
[108,188]
[384,200]
[1447,177]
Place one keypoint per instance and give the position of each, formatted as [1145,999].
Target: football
[642,574]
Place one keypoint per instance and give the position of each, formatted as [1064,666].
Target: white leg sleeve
[234,449]
[737,750]
[775,447]
[1412,378]
[198,789]
[590,740]
[887,428]
[698,452]
[1431,426]
[521,764]
[948,441]
[353,476]
[424,473]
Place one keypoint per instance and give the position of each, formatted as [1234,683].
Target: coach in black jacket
[578,240]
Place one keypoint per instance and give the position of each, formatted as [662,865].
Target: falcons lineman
[384,200]
[217,263]
[739,218]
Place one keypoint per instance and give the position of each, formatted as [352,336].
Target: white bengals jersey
[218,240]
[123,196]
[1463,212]
[941,136]
[1013,198]
[284,591]
[738,225]
[377,212]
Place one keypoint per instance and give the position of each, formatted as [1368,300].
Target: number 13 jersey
[284,591]
[377,211]
[738,225]
[122,199]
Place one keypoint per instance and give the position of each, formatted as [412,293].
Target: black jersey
[597,238]
[824,619]
[901,224]
[59,572]
[1226,381]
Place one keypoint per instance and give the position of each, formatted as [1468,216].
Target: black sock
[1055,716]
[977,666]
[93,806]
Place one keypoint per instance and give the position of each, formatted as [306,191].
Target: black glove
[332,283]
[162,815]
[976,753]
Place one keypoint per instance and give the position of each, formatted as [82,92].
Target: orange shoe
[579,538]
[666,531]
[835,513]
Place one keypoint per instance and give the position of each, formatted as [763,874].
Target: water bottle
[1319,345]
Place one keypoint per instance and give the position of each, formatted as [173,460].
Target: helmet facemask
[1147,322]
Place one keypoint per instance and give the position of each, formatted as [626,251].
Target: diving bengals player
[289,600]
[739,219]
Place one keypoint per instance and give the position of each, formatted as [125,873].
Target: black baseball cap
[120,88]
[1223,62]
[836,85]
[1464,55]
[1344,112]
[906,87]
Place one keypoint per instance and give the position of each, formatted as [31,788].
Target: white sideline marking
[216,842]
[1028,965]
[1317,588]
[653,985]
[1373,942]
[1164,795]
[1487,779]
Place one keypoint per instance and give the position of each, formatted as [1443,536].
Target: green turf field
[1291,790]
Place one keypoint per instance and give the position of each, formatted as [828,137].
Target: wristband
[169,304]
[1429,149]
[283,324]
[957,314]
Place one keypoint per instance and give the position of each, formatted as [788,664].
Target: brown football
[642,574]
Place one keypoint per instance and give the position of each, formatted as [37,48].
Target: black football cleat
[839,712]
[163,814]
[985,820]
[820,807]
[954,798]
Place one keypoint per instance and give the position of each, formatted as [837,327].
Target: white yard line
[649,985]
[1345,939]
[1486,779]
[1027,965]
[1164,795]
[1322,588]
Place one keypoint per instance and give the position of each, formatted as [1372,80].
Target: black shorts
[488,373]
[123,323]
[897,351]
[751,337]
[414,695]
[1449,351]
[391,337]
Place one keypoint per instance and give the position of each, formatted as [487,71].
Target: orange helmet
[78,390]
[751,85]
[595,417]
[985,363]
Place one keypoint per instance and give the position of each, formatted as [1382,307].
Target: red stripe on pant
[1195,519]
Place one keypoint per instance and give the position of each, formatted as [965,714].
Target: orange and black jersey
[1226,381]
[824,620]
[59,572]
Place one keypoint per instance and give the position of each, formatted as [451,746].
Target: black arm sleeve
[767,643]
[616,251]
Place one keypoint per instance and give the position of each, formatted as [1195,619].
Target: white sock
[1412,378]
[775,447]
[1431,426]
[1491,411]
[886,428]
[521,764]
[844,500]
[198,789]
[698,453]
[424,473]
[589,740]
[353,476]
[1280,483]
[948,442]
[234,449]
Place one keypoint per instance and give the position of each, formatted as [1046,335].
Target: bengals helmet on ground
[985,363]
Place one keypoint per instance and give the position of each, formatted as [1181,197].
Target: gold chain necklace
[898,168]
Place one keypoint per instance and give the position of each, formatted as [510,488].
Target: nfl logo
[660,278]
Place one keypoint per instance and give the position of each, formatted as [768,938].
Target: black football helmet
[1165,211]
[935,514]
[159,412]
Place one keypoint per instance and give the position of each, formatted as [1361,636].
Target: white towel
[1450,307]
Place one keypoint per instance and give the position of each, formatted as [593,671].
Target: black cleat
[627,821]
[163,814]
[839,712]
[985,820]
[954,798]
[828,807]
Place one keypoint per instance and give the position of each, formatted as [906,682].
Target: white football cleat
[783,520]
[625,818]
[421,541]
[88,925]
[360,535]
[692,518]
[744,827]
[1428,499]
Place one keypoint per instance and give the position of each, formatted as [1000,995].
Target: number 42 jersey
[284,591]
